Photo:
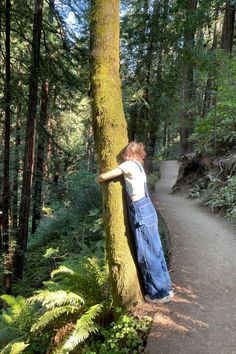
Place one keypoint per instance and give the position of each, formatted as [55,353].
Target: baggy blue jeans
[144,225]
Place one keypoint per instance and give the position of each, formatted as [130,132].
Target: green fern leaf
[52,315]
[62,270]
[12,301]
[52,299]
[14,347]
[83,328]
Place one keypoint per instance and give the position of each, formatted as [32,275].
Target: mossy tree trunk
[110,133]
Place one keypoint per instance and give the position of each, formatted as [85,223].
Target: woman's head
[134,151]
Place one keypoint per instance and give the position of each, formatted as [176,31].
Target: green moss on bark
[110,131]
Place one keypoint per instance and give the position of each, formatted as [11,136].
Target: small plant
[126,335]
[222,197]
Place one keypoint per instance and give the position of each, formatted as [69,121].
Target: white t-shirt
[135,177]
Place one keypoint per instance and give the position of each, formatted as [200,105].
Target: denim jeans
[144,225]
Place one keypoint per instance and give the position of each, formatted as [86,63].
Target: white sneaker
[158,301]
[171,293]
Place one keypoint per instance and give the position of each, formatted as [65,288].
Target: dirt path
[202,317]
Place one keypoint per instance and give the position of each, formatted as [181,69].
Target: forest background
[178,78]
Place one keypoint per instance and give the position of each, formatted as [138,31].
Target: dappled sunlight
[176,316]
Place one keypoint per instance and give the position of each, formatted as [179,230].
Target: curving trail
[202,317]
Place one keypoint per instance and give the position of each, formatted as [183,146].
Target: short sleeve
[126,167]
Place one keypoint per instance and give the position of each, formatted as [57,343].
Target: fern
[63,269]
[83,328]
[16,320]
[58,298]
[14,347]
[51,316]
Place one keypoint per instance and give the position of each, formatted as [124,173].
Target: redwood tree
[228,27]
[110,133]
[188,82]
[30,140]
[6,158]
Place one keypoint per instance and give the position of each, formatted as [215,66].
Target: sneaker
[158,301]
[171,293]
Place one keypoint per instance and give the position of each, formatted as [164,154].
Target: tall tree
[188,83]
[6,178]
[110,137]
[228,26]
[30,140]
[39,164]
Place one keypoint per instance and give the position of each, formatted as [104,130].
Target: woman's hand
[100,179]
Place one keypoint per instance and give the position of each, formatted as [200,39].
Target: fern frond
[50,316]
[14,347]
[7,318]
[52,299]
[63,269]
[83,328]
[15,303]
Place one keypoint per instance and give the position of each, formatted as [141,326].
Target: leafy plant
[63,314]
[126,335]
[222,197]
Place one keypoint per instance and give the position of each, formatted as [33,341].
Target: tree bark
[188,84]
[24,210]
[38,172]
[7,274]
[15,184]
[110,133]
[228,27]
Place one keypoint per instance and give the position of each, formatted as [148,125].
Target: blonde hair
[134,150]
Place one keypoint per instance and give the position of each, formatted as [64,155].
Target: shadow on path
[201,319]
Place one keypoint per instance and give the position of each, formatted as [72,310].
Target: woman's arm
[108,175]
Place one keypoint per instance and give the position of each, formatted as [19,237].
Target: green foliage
[216,133]
[69,308]
[84,327]
[15,322]
[14,348]
[126,335]
[152,180]
[222,198]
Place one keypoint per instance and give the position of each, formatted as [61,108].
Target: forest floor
[201,319]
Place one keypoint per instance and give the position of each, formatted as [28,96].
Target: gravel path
[202,317]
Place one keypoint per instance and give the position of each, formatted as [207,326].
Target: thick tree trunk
[110,137]
[188,84]
[38,172]
[228,27]
[7,275]
[30,141]
[210,85]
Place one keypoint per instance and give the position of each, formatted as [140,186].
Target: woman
[144,223]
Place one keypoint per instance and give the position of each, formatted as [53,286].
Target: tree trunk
[210,85]
[15,184]
[228,27]
[188,84]
[7,275]
[38,173]
[110,133]
[30,141]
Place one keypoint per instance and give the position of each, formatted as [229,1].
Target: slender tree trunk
[15,184]
[30,141]
[110,132]
[228,27]
[38,173]
[7,275]
[188,84]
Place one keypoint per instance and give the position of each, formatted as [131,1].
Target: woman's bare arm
[108,175]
